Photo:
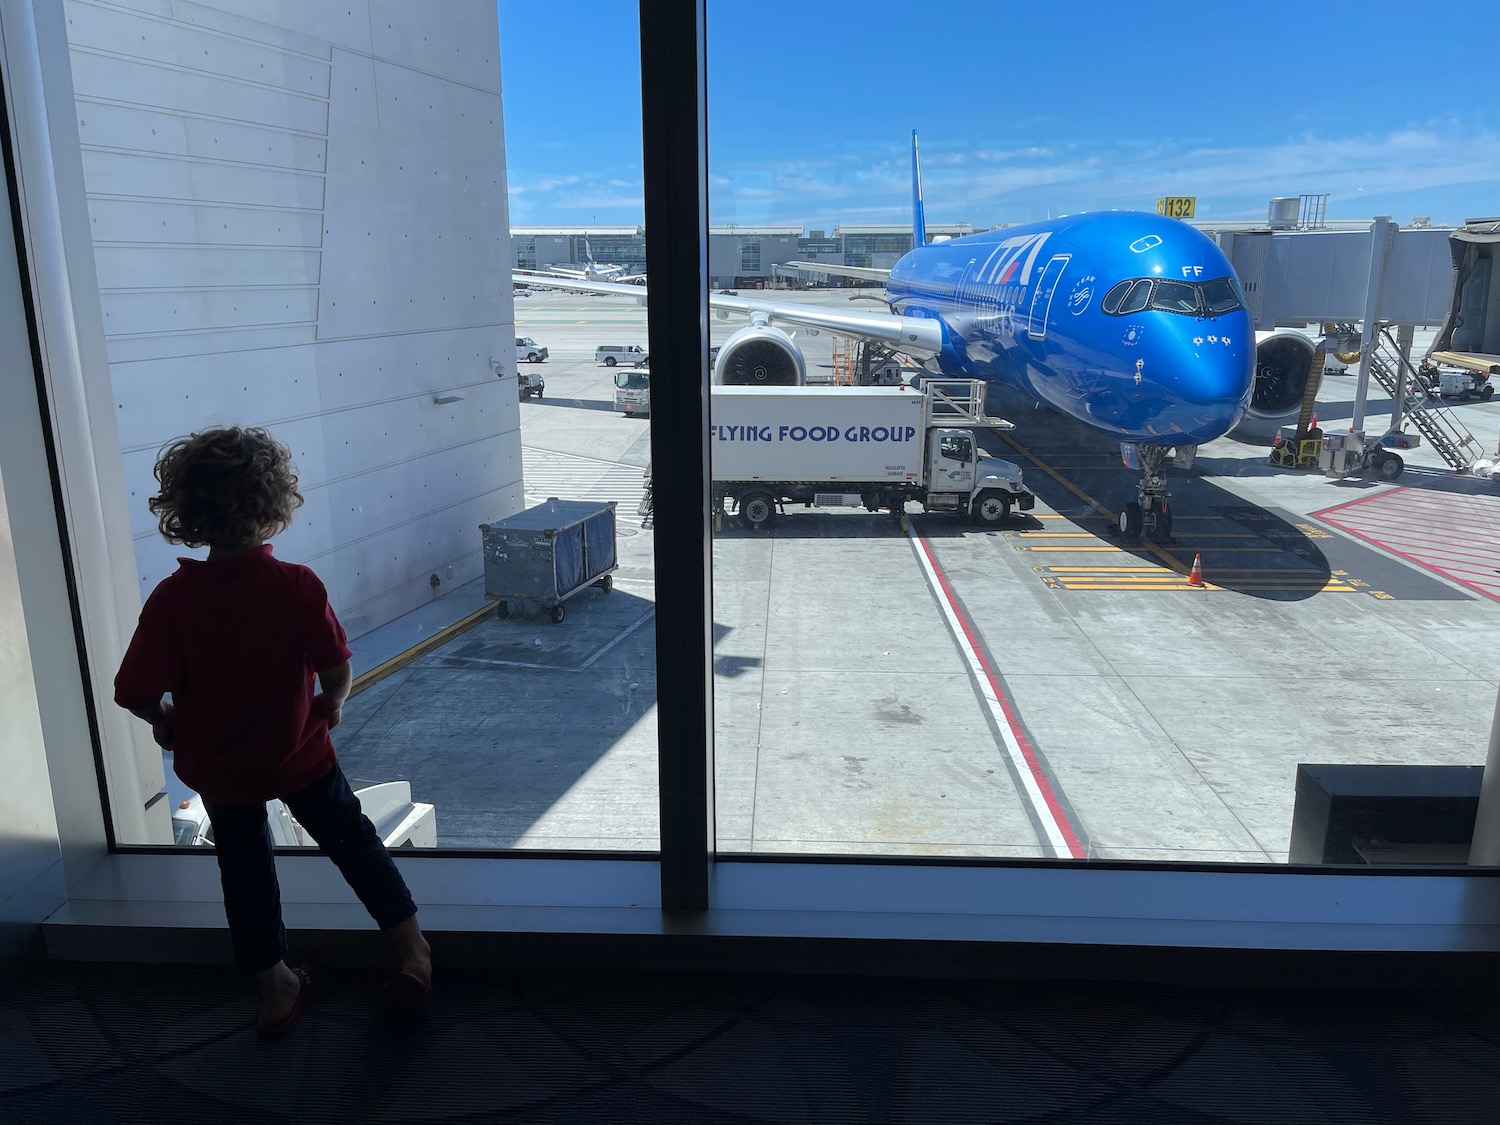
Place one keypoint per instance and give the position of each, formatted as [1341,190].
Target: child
[236,640]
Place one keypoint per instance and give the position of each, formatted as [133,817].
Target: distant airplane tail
[918,218]
[588,255]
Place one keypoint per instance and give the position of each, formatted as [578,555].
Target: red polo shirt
[238,642]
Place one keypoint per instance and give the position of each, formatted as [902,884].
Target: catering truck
[849,447]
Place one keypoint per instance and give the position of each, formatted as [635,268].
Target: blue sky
[1023,110]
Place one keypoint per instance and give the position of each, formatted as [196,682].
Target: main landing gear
[1150,516]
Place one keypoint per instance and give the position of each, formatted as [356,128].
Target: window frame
[1062,916]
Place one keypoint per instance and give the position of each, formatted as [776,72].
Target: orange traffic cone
[1196,578]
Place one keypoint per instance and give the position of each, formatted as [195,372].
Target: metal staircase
[1434,421]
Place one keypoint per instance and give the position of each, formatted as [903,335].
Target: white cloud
[994,184]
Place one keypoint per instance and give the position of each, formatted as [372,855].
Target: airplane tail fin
[588,254]
[918,218]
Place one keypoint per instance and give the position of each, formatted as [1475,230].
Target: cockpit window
[1221,296]
[1209,298]
[1175,296]
[1112,299]
[1138,297]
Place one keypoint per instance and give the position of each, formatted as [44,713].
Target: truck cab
[633,391]
[961,477]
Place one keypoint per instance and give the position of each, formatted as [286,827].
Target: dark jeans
[330,812]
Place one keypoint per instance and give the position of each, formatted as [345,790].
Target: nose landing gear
[1151,516]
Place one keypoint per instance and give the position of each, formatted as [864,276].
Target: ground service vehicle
[871,447]
[612,354]
[531,385]
[633,391]
[529,350]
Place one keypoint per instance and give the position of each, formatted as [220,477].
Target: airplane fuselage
[1058,310]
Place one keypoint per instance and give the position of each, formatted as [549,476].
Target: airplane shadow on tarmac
[1260,552]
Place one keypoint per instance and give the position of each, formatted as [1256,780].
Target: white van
[529,350]
[612,354]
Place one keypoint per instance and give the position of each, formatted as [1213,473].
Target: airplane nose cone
[1207,367]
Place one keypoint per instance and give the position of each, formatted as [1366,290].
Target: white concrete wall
[299,221]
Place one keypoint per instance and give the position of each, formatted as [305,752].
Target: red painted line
[1007,705]
[1454,538]
[1362,500]
[1488,576]
[1450,506]
[1446,552]
[1423,564]
[1448,502]
[1435,549]
[1438,514]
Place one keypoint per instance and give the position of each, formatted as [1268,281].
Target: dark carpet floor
[96,1044]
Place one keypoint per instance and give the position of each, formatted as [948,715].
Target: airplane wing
[864,273]
[558,272]
[916,336]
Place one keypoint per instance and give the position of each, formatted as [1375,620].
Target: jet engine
[1283,363]
[759,355]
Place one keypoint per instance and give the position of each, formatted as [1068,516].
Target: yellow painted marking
[1118,549]
[1091,535]
[1069,485]
[1179,569]
[1124,584]
[1157,570]
[1140,587]
[419,650]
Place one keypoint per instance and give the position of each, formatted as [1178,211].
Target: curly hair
[227,487]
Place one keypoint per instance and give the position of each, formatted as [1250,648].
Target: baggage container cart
[541,557]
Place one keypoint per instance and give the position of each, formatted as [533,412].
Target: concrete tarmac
[1034,690]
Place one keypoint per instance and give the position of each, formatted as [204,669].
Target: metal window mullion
[675,150]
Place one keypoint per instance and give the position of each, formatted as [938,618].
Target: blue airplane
[1132,323]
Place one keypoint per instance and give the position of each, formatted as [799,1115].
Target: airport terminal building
[738,256]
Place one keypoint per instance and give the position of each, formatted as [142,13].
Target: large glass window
[1057,655]
[1005,664]
[300,220]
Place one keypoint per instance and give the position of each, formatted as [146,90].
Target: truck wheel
[531,357]
[1390,467]
[607,583]
[757,510]
[989,508]
[1487,393]
[609,361]
[558,613]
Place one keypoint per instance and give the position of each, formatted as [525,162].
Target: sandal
[407,991]
[289,1021]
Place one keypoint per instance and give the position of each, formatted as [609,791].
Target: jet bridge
[1470,335]
[1293,278]
[1380,278]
